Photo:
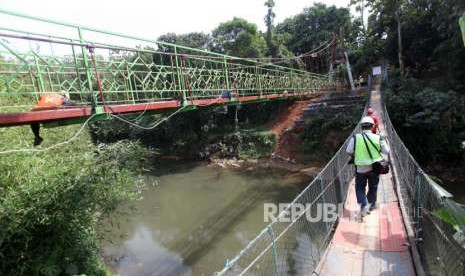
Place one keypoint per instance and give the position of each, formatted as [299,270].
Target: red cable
[99,82]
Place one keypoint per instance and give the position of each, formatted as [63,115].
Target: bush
[50,202]
[420,109]
[319,126]
[257,144]
[188,132]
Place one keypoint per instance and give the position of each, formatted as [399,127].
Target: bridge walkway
[376,246]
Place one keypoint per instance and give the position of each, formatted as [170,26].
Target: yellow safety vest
[362,157]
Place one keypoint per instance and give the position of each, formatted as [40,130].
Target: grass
[51,201]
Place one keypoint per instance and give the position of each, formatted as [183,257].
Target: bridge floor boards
[376,246]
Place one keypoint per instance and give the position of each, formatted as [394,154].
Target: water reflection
[192,220]
[143,255]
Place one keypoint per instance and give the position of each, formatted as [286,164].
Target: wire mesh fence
[293,245]
[437,220]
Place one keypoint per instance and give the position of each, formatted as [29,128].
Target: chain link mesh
[437,220]
[295,247]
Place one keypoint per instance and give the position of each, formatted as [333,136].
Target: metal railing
[100,67]
[294,246]
[438,222]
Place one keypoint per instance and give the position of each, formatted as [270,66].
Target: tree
[429,42]
[315,25]
[272,48]
[360,7]
[423,39]
[238,37]
[194,40]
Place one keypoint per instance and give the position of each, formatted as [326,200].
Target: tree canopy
[238,37]
[194,40]
[307,30]
[431,37]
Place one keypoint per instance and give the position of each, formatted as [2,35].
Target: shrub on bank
[430,119]
[51,202]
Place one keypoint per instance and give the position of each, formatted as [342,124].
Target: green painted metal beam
[96,30]
[130,75]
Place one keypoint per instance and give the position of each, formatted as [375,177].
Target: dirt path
[285,131]
[287,118]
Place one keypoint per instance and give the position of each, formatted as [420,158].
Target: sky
[151,19]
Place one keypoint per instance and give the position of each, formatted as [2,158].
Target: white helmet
[367,121]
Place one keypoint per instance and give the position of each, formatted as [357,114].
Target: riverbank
[297,170]
[451,178]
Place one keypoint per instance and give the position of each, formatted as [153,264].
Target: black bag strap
[366,145]
[371,142]
[355,142]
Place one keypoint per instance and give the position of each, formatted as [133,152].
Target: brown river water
[192,217]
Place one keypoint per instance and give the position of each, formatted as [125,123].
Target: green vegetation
[419,109]
[425,91]
[325,132]
[430,39]
[51,202]
[269,18]
[307,30]
[238,37]
[449,217]
[205,133]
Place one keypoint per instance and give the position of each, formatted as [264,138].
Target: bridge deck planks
[376,246]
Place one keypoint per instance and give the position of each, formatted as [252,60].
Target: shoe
[38,140]
[373,206]
[365,210]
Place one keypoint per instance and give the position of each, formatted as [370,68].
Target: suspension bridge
[106,73]
[417,229]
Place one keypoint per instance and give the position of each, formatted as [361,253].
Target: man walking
[366,148]
[375,117]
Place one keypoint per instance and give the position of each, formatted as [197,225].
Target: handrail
[443,220]
[337,172]
[96,30]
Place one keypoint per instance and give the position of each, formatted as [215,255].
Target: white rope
[29,150]
[143,112]
[76,135]
[315,50]
[152,126]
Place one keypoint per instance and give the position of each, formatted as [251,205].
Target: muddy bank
[291,171]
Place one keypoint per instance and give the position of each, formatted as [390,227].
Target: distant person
[226,94]
[366,148]
[47,102]
[375,117]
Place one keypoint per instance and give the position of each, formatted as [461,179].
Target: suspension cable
[99,81]
[159,122]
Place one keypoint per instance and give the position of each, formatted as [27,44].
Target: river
[192,217]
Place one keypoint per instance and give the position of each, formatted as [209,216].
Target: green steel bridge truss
[99,67]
